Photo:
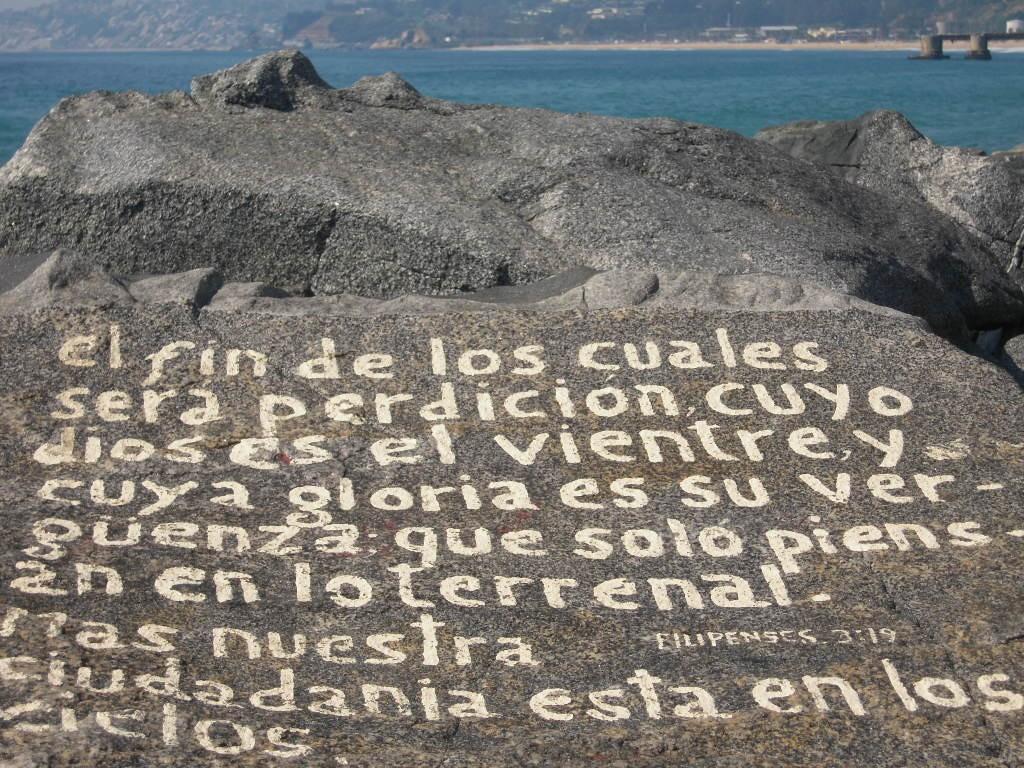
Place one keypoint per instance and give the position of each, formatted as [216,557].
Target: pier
[932,45]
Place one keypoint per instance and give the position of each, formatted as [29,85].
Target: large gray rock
[663,488]
[268,175]
[819,562]
[883,151]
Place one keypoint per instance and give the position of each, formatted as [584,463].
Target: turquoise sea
[967,103]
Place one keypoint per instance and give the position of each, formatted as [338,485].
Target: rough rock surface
[581,290]
[883,151]
[65,279]
[266,174]
[69,280]
[1014,354]
[283,83]
[185,581]
[194,288]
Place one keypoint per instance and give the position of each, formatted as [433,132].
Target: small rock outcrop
[68,279]
[387,90]
[410,38]
[194,288]
[280,81]
[1013,354]
[65,279]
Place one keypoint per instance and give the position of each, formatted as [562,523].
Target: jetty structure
[932,45]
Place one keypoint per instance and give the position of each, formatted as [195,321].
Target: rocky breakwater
[267,173]
[882,151]
[631,501]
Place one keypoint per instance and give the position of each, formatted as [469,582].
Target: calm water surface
[978,104]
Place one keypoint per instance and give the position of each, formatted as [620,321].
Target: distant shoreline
[23,51]
[697,45]
[877,45]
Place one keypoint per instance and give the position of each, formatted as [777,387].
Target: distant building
[843,35]
[779,33]
[822,33]
[718,33]
[857,35]
[727,34]
[1015,26]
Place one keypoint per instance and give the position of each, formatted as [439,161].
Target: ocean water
[966,103]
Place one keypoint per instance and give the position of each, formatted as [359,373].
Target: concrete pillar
[979,48]
[931,48]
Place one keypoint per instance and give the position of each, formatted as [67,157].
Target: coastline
[877,45]
[700,45]
[23,51]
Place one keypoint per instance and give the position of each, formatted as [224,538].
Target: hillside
[231,24]
[156,24]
